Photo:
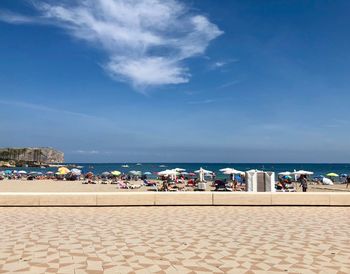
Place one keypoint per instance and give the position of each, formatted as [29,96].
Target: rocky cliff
[31,154]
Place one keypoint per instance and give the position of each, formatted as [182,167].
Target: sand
[77,186]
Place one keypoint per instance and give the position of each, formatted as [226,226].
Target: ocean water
[98,168]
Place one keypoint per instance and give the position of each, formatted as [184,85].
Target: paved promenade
[175,240]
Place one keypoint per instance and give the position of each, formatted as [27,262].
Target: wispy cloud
[201,102]
[229,84]
[45,108]
[87,152]
[14,18]
[222,63]
[146,41]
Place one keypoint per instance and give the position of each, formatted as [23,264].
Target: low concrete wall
[174,198]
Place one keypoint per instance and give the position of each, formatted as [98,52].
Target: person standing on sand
[347,181]
[303,182]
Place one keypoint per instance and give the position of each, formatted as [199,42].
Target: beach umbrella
[7,171]
[285,173]
[179,169]
[147,173]
[135,172]
[287,177]
[106,173]
[332,174]
[22,172]
[116,173]
[168,172]
[34,173]
[202,172]
[253,171]
[303,172]
[206,172]
[76,171]
[63,170]
[232,171]
[49,172]
[225,169]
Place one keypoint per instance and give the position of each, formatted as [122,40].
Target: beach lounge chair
[201,186]
[122,185]
[104,180]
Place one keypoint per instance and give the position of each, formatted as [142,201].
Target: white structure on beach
[260,181]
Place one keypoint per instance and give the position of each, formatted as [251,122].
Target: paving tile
[175,240]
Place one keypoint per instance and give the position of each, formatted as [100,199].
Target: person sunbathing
[149,183]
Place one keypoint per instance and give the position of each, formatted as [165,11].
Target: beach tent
[260,181]
[327,181]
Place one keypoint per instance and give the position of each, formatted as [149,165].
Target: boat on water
[138,164]
[162,166]
[125,166]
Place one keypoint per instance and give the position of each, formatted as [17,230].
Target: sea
[98,168]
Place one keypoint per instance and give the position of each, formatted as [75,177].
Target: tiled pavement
[175,240]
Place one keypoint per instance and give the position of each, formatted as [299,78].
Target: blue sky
[177,81]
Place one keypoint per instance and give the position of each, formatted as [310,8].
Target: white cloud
[13,18]
[42,108]
[146,41]
[201,102]
[223,63]
[92,152]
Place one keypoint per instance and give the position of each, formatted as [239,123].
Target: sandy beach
[78,186]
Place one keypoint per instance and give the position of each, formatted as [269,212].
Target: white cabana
[260,181]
